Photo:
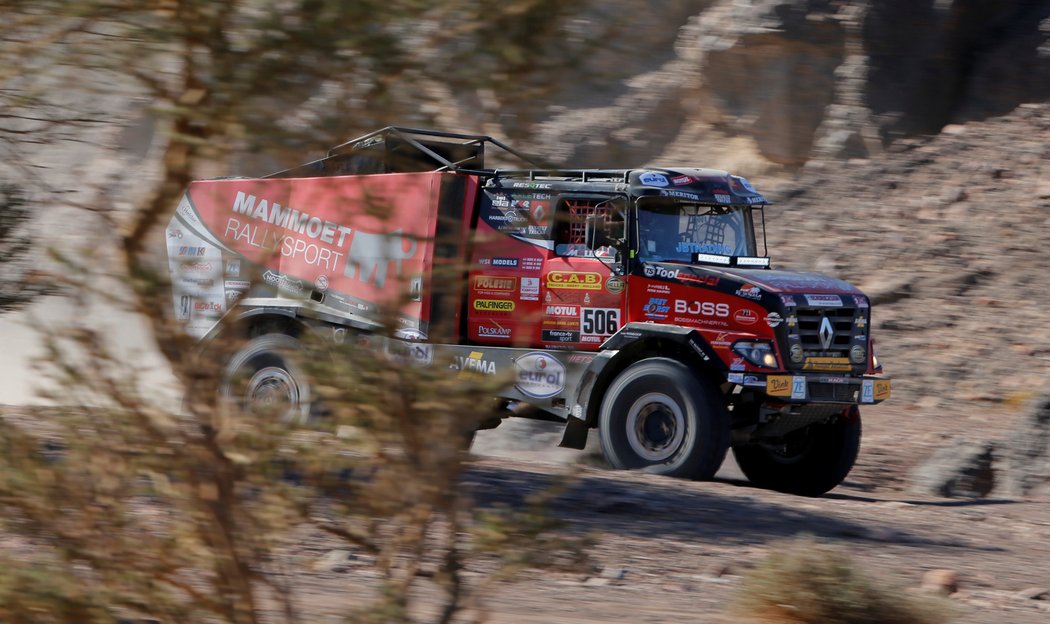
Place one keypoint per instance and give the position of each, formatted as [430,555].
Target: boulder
[960,470]
[1026,452]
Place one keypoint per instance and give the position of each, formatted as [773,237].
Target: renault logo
[826,333]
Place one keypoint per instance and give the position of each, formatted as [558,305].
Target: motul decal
[562,310]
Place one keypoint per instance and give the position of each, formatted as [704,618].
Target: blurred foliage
[807,581]
[16,287]
[118,509]
[125,511]
[288,74]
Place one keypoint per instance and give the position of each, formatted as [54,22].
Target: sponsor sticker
[493,305]
[867,391]
[860,302]
[749,291]
[562,310]
[504,262]
[531,264]
[680,180]
[774,320]
[615,285]
[656,308]
[701,308]
[798,387]
[494,331]
[824,301]
[744,183]
[735,378]
[530,288]
[778,385]
[745,317]
[827,364]
[560,335]
[539,375]
[568,280]
[495,284]
[651,178]
[721,341]
[474,362]
[651,270]
[881,389]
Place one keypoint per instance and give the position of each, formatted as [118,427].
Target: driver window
[589,229]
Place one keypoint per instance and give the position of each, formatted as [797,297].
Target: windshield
[670,230]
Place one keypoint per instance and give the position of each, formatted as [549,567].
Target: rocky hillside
[772,84]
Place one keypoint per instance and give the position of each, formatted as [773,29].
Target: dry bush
[121,510]
[805,581]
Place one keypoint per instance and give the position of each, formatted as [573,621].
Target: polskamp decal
[540,375]
[484,331]
[651,178]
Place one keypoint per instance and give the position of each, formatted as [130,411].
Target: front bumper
[817,388]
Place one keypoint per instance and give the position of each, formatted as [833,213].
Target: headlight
[758,353]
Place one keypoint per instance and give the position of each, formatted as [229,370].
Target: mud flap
[575,435]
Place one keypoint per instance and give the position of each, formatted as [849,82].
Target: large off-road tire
[265,378]
[658,416]
[807,462]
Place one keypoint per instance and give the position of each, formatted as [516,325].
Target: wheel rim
[655,427]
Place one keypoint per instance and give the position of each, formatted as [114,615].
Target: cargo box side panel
[446,287]
[352,244]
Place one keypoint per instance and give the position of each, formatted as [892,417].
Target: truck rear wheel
[659,417]
[809,462]
[264,378]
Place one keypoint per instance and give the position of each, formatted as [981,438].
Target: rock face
[795,79]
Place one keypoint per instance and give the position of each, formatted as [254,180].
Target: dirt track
[674,551]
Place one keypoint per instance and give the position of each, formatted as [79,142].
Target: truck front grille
[828,334]
[831,339]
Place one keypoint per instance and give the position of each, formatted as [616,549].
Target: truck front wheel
[808,462]
[264,378]
[659,417]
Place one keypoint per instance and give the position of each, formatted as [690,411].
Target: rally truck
[637,302]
